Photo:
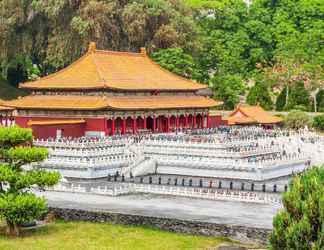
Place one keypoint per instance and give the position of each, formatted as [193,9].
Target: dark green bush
[318,122]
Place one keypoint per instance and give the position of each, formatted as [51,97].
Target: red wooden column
[154,123]
[168,125]
[106,127]
[113,126]
[1,118]
[144,122]
[194,121]
[202,120]
[6,120]
[177,122]
[207,120]
[186,121]
[124,125]
[134,125]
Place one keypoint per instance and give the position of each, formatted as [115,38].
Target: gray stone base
[240,233]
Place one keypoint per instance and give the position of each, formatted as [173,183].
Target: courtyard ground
[85,235]
[183,208]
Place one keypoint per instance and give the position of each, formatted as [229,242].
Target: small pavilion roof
[240,120]
[99,69]
[252,114]
[74,102]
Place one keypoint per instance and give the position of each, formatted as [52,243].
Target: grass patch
[8,92]
[86,235]
[203,3]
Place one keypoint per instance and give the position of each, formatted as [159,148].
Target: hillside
[8,92]
[269,52]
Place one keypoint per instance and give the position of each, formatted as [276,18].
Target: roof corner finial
[92,47]
[143,51]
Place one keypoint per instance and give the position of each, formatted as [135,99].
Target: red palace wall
[22,121]
[46,131]
[93,124]
[96,124]
[68,130]
[216,121]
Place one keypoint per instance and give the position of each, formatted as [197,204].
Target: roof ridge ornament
[92,47]
[143,51]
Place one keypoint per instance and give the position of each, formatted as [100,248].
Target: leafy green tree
[56,33]
[281,99]
[318,122]
[228,88]
[300,225]
[320,100]
[18,204]
[225,42]
[297,119]
[21,69]
[299,97]
[177,61]
[259,94]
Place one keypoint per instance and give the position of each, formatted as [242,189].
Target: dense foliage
[318,122]
[279,42]
[259,94]
[297,119]
[300,225]
[17,204]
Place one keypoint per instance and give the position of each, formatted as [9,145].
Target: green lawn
[86,235]
[202,3]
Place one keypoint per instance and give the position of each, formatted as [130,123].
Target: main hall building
[107,92]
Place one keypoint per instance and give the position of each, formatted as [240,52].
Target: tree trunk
[12,229]
[287,95]
[314,94]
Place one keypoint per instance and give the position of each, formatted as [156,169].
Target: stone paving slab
[183,208]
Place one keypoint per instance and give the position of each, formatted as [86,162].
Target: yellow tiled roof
[232,120]
[54,122]
[161,102]
[74,102]
[3,107]
[257,113]
[114,70]
[59,102]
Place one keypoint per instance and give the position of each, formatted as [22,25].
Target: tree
[299,97]
[300,225]
[320,100]
[297,119]
[228,88]
[318,122]
[177,61]
[56,33]
[259,94]
[18,204]
[281,99]
[21,69]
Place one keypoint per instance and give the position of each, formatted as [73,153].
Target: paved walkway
[223,212]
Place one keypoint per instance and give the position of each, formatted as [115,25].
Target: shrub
[318,122]
[300,225]
[17,204]
[297,119]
